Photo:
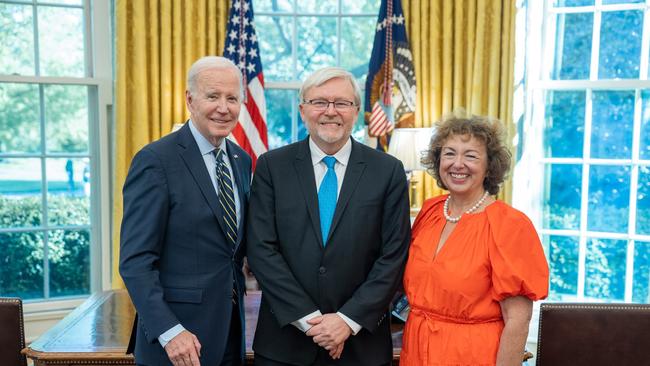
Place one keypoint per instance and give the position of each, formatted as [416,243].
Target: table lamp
[408,145]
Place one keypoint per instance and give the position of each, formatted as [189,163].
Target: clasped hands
[329,331]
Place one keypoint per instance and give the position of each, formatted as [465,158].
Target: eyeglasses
[323,104]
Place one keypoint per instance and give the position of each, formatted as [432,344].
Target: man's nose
[330,109]
[222,105]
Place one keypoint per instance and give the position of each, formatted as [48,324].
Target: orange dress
[455,316]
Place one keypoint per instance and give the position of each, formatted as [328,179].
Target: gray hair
[212,62]
[321,76]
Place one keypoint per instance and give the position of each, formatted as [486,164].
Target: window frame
[534,82]
[294,85]
[98,78]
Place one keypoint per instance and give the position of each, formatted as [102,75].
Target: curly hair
[485,129]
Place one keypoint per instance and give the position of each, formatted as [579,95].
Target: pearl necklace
[450,218]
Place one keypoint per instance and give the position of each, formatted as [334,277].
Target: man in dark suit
[181,246]
[327,235]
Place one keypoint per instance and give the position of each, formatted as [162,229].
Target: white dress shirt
[320,168]
[206,148]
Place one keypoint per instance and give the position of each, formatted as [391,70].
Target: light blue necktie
[327,197]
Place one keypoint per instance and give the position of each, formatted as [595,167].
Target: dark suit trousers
[323,359]
[232,354]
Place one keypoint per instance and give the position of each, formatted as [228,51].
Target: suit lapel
[305,172]
[240,177]
[192,158]
[353,173]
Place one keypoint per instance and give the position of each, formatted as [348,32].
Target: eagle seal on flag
[390,85]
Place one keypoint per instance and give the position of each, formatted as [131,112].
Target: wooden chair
[593,334]
[12,336]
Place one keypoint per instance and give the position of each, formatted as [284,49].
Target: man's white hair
[321,76]
[212,62]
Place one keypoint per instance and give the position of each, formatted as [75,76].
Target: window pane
[279,6]
[66,2]
[620,44]
[609,197]
[316,44]
[61,41]
[573,46]
[68,186]
[644,147]
[361,6]
[605,2]
[20,130]
[280,104]
[641,281]
[613,120]
[357,35]
[563,262]
[318,6]
[302,129]
[562,196]
[21,265]
[69,260]
[20,192]
[565,120]
[605,269]
[17,39]
[573,2]
[66,118]
[275,47]
[643,202]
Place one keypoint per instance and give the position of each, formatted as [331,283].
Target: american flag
[241,47]
[390,85]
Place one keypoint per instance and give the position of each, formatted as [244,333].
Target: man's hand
[329,331]
[335,353]
[184,349]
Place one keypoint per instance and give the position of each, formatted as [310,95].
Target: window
[588,182]
[51,86]
[299,37]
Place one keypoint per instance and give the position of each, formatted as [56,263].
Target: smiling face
[215,103]
[330,128]
[463,166]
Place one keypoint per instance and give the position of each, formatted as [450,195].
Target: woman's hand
[516,312]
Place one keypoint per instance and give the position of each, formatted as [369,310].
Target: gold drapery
[464,58]
[156,42]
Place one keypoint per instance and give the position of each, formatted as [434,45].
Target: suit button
[322,270]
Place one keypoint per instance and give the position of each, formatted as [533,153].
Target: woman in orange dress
[475,264]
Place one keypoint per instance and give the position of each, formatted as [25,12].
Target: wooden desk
[98,331]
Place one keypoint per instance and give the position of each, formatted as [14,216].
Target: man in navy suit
[181,249]
[327,237]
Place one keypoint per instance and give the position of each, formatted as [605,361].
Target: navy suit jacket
[356,273]
[174,257]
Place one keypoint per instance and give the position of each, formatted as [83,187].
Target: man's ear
[188,98]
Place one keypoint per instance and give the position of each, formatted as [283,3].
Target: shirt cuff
[170,334]
[302,322]
[351,323]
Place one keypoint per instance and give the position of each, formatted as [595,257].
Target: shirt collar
[205,147]
[342,156]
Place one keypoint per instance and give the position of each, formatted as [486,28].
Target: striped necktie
[227,203]
[226,197]
[327,197]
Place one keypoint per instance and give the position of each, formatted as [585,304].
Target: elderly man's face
[330,128]
[214,105]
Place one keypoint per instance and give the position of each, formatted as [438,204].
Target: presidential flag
[390,85]
[242,49]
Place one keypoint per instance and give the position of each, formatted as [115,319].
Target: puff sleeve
[519,266]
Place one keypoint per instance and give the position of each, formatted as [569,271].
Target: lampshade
[408,145]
